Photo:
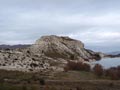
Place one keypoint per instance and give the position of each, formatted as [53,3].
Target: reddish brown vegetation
[79,66]
[113,73]
[98,70]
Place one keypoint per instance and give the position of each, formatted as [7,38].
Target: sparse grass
[13,75]
[4,74]
[71,80]
[7,86]
[76,75]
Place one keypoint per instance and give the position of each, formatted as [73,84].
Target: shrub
[66,69]
[98,70]
[113,73]
[79,66]
[42,81]
[86,67]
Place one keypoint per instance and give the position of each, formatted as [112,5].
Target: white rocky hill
[48,53]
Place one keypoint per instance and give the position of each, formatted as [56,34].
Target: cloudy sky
[95,22]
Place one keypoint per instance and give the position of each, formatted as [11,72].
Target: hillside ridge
[49,53]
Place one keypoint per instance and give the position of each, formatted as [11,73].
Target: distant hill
[114,53]
[13,46]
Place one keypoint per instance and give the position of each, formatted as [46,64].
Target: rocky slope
[48,53]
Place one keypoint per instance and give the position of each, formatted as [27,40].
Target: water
[109,62]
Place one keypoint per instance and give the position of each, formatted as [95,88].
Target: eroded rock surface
[48,53]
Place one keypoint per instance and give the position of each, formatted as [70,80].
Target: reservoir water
[108,62]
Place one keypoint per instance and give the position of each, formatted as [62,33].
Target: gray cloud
[95,22]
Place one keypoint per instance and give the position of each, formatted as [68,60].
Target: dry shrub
[78,66]
[98,70]
[113,73]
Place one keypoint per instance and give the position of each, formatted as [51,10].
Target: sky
[95,22]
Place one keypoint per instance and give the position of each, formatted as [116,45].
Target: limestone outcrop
[48,53]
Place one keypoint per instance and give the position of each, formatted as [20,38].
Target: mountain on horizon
[3,46]
[114,53]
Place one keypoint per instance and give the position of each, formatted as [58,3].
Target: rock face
[48,53]
[62,47]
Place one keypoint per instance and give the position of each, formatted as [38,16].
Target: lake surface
[109,62]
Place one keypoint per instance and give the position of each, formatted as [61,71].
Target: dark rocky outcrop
[113,54]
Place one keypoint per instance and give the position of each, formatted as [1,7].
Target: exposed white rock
[48,53]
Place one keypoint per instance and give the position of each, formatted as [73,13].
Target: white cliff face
[61,47]
[48,53]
